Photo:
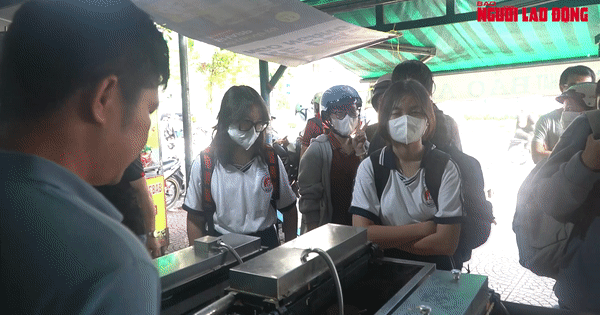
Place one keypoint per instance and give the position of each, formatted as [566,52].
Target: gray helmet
[582,92]
[338,97]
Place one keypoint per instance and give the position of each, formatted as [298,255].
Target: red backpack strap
[208,203]
[273,166]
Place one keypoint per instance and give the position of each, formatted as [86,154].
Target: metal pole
[220,306]
[276,77]
[185,105]
[263,70]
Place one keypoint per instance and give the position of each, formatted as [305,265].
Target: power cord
[336,277]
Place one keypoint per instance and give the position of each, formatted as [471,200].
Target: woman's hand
[591,155]
[358,140]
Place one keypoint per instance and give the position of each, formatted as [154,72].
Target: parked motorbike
[174,181]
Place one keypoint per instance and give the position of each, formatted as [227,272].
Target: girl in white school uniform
[405,220]
[241,189]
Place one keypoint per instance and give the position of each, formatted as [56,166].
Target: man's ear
[103,98]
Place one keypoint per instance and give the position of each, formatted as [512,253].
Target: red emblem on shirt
[428,199]
[267,186]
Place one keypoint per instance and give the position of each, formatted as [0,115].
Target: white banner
[286,32]
[539,80]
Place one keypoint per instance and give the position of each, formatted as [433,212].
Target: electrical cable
[231,250]
[333,270]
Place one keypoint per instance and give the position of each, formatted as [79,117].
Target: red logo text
[511,14]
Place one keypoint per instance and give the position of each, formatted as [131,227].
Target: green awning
[459,40]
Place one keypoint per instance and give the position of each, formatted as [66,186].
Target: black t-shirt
[122,196]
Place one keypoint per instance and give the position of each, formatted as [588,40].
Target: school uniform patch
[267,185]
[428,199]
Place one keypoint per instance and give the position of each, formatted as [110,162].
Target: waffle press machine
[297,278]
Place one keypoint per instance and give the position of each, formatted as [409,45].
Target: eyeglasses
[340,114]
[259,126]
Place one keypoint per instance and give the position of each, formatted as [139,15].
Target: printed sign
[155,180]
[156,186]
[286,32]
[151,152]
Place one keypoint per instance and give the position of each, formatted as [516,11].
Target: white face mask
[567,117]
[407,129]
[244,138]
[345,126]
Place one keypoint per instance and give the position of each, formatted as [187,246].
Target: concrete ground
[498,258]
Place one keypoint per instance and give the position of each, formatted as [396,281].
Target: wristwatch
[154,234]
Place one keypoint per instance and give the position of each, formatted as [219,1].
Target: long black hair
[235,106]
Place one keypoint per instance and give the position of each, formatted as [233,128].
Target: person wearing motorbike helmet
[327,169]
[314,126]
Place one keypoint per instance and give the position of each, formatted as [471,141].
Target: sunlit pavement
[498,258]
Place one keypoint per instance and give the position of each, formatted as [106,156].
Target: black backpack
[478,212]
[542,239]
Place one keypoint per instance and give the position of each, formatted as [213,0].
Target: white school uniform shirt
[242,196]
[405,200]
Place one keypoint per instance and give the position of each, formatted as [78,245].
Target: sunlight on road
[488,140]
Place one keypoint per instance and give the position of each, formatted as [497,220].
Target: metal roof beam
[435,21]
[472,16]
[426,51]
[597,38]
[351,5]
[424,59]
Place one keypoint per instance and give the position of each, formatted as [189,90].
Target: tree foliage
[223,65]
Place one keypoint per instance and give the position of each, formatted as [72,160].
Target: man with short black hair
[78,81]
[549,127]
[446,131]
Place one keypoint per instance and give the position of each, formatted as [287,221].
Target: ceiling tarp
[459,41]
[286,32]
[445,33]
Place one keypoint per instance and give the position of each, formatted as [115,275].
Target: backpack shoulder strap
[380,172]
[594,119]
[319,123]
[208,203]
[434,162]
[273,166]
